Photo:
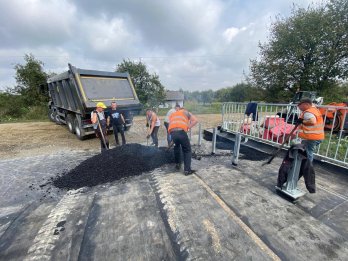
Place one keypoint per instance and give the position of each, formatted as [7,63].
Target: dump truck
[75,93]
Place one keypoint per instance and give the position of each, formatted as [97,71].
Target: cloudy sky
[190,44]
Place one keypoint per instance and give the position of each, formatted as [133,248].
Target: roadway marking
[235,218]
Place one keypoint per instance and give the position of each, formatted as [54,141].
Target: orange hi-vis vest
[312,132]
[178,120]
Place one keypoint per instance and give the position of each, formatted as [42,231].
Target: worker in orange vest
[180,122]
[311,128]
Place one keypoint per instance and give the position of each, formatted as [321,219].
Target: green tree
[149,89]
[307,51]
[241,92]
[207,96]
[11,106]
[29,78]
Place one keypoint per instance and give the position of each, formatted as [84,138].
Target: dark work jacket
[306,170]
[251,109]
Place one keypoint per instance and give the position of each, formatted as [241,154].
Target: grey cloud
[174,26]
[39,23]
[99,34]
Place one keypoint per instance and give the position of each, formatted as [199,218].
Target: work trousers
[154,135]
[119,129]
[169,138]
[182,142]
[310,146]
[102,145]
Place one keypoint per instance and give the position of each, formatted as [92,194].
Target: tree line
[241,92]
[307,51]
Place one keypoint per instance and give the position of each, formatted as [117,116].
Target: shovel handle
[101,132]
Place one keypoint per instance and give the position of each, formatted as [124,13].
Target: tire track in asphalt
[168,220]
[47,238]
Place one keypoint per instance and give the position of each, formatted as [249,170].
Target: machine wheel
[78,130]
[338,123]
[329,123]
[70,123]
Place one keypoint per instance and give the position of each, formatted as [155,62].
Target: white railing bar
[333,124]
[340,136]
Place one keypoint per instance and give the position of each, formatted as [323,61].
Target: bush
[36,113]
[13,108]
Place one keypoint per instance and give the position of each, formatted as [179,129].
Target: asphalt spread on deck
[224,212]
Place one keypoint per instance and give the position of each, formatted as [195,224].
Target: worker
[153,123]
[166,124]
[100,125]
[180,122]
[116,120]
[311,126]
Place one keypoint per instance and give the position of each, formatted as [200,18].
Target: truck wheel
[52,115]
[78,130]
[70,123]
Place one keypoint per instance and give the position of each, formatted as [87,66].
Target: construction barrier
[272,123]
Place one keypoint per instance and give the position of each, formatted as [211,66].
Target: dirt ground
[40,138]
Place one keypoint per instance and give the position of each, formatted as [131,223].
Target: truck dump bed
[75,93]
[79,90]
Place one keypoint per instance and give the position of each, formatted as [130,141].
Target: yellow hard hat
[101,105]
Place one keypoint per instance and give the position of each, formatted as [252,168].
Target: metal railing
[272,122]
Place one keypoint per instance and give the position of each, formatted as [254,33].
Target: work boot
[177,166]
[189,172]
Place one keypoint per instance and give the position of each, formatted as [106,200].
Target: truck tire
[52,115]
[78,130]
[58,119]
[70,119]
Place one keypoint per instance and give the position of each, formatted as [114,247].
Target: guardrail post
[199,134]
[235,155]
[213,144]
[290,188]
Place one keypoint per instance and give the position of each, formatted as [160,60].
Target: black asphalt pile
[120,162]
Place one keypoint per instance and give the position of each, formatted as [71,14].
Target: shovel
[171,144]
[101,132]
[281,146]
